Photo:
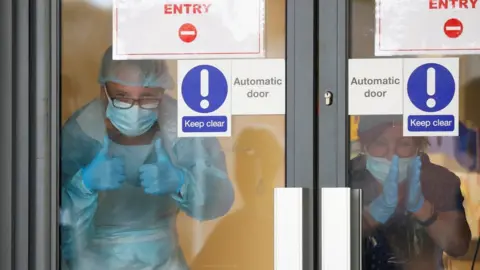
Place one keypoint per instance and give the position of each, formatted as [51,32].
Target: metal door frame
[30,122]
[333,122]
[301,117]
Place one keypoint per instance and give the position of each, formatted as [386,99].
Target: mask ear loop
[106,93]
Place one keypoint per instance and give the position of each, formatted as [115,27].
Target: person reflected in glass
[413,209]
[125,174]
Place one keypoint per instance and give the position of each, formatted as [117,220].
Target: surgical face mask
[379,167]
[131,122]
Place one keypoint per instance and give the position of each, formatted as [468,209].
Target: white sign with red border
[427,27]
[188,29]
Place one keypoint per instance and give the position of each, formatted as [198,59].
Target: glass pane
[445,171]
[120,208]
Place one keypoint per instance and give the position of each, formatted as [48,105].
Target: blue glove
[384,205]
[415,197]
[162,177]
[104,172]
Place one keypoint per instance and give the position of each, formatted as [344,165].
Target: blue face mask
[379,167]
[131,122]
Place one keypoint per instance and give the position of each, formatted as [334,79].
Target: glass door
[80,193]
[434,224]
[116,212]
[419,194]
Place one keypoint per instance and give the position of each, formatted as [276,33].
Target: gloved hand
[162,177]
[415,197]
[384,205]
[104,172]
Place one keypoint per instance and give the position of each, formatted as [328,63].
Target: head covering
[371,126]
[369,122]
[144,73]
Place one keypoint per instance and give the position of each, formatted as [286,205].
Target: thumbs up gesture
[104,172]
[162,177]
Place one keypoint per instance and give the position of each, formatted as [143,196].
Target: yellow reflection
[244,239]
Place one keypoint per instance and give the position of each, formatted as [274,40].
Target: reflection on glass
[413,207]
[258,159]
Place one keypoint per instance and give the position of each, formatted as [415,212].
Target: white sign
[375,86]
[258,86]
[165,29]
[426,27]
[431,97]
[204,99]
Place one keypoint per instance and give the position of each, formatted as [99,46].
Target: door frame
[333,121]
[302,116]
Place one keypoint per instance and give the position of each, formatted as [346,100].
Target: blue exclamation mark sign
[204,88]
[431,88]
[204,91]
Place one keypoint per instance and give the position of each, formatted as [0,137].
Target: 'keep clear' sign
[424,90]
[211,91]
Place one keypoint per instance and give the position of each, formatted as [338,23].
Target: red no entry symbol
[453,28]
[187,32]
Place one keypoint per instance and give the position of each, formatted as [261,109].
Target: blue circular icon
[204,88]
[431,87]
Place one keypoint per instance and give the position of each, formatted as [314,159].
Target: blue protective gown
[127,228]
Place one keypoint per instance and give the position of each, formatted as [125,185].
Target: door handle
[289,219]
[341,229]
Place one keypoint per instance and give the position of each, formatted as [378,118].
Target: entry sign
[427,27]
[165,29]
[204,99]
[431,97]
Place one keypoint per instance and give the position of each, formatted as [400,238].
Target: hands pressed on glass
[384,205]
[104,172]
[162,177]
[404,165]
[415,197]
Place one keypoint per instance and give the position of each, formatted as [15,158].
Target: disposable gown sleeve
[78,204]
[207,192]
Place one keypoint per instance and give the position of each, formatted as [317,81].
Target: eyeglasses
[123,102]
[127,103]
[403,147]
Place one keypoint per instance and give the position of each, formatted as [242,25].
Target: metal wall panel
[22,132]
[6,138]
[44,128]
[26,135]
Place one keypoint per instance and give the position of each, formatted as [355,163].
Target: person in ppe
[125,174]
[413,209]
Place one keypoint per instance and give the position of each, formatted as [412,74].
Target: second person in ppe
[413,207]
[126,175]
